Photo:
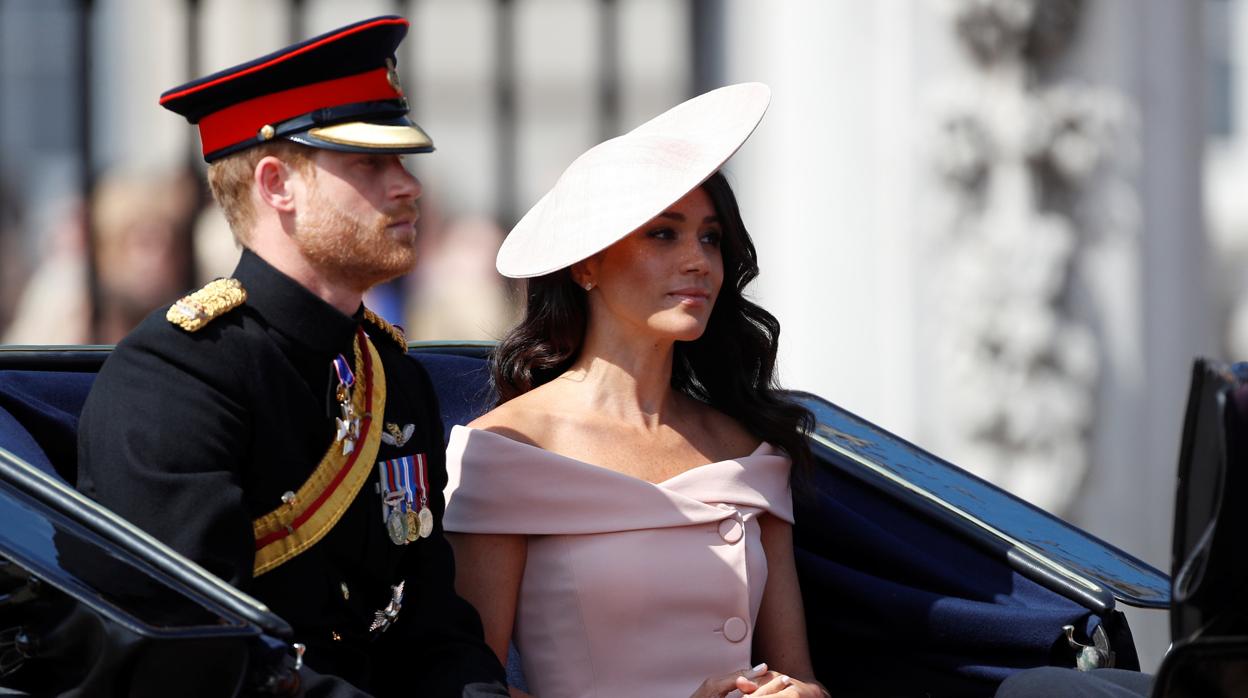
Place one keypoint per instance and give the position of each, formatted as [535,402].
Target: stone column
[139,54]
[827,190]
[979,224]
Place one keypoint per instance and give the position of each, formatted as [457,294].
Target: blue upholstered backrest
[462,384]
[39,409]
[39,417]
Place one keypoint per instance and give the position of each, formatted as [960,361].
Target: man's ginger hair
[232,177]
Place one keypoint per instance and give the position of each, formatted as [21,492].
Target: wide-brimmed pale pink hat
[616,186]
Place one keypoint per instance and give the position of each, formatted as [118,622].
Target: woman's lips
[691,295]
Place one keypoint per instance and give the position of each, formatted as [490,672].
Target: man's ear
[274,180]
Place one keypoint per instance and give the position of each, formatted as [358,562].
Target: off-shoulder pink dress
[630,588]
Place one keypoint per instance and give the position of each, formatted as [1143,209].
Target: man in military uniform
[271,428]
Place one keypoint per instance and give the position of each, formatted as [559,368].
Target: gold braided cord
[299,537]
[195,311]
[382,324]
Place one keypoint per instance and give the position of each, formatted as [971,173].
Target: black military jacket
[192,435]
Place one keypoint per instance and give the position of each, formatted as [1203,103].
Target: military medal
[413,526]
[404,502]
[425,517]
[348,431]
[426,521]
[396,526]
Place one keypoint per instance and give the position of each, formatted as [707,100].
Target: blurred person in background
[455,292]
[141,224]
[142,227]
[216,250]
[12,253]
[54,305]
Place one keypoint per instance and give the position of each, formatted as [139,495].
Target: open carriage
[918,578]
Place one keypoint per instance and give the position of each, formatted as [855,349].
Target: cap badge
[392,76]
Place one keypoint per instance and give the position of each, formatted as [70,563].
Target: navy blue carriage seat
[897,602]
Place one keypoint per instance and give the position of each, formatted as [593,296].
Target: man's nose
[405,185]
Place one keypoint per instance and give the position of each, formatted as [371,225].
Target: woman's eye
[662,234]
[712,237]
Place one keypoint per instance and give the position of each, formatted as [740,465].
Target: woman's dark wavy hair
[731,367]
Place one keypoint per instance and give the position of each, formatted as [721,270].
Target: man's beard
[358,254]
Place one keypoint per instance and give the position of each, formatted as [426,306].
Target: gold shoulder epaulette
[193,312]
[380,323]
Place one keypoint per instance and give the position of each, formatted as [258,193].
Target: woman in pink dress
[624,513]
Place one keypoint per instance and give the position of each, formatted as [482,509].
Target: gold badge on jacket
[394,435]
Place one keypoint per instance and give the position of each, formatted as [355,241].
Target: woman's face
[663,278]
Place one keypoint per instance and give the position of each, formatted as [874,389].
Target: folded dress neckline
[763,449]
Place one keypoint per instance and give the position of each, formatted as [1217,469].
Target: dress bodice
[630,587]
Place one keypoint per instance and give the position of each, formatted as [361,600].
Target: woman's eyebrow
[677,216]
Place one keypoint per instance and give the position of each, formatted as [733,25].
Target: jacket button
[730,530]
[735,629]
[346,591]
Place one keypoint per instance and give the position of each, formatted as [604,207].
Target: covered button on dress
[630,588]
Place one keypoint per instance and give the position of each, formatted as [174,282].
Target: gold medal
[426,522]
[413,526]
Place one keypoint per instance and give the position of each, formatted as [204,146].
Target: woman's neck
[624,375]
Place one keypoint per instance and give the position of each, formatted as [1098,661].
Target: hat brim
[617,186]
[393,136]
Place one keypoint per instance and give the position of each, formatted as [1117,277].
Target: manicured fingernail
[785,680]
[759,669]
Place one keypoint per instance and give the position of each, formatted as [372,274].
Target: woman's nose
[697,258]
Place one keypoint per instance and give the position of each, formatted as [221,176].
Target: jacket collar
[293,310]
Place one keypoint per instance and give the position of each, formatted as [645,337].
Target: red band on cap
[240,122]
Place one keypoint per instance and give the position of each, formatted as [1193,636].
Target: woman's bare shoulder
[524,418]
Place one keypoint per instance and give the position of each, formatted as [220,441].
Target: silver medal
[396,526]
[426,522]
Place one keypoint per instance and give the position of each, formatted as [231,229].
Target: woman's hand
[736,683]
[782,686]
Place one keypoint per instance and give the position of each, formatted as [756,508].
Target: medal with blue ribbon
[348,423]
[404,488]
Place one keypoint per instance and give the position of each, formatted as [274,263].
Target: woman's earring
[589,285]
